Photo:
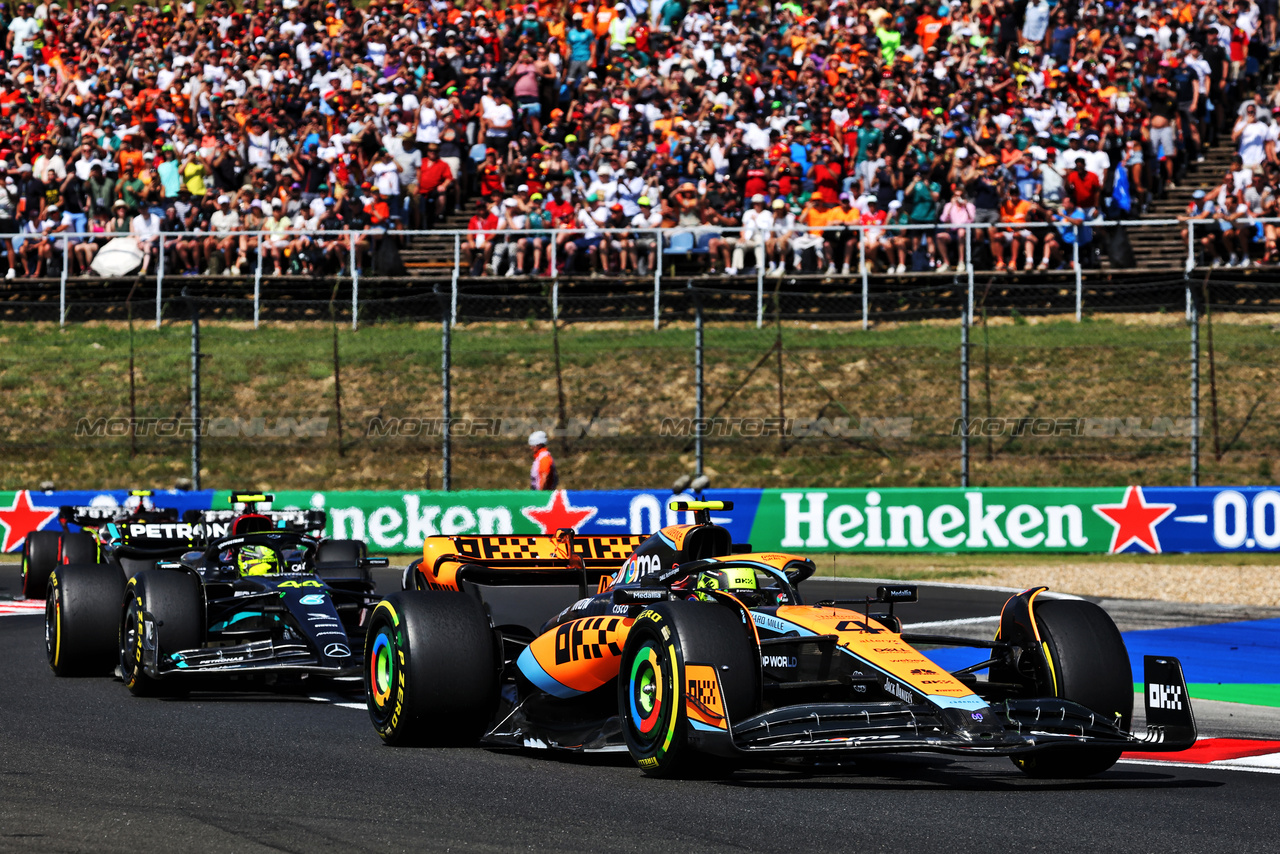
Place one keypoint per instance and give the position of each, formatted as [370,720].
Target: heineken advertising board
[937,520]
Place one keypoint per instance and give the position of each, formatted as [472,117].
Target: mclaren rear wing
[561,558]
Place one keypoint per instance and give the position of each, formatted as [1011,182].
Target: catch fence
[968,378]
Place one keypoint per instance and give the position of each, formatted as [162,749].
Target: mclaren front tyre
[685,666]
[431,669]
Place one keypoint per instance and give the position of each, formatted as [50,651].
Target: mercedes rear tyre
[431,669]
[659,693]
[79,548]
[173,600]
[1088,664]
[39,557]
[81,613]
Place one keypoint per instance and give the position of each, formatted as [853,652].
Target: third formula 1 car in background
[44,550]
[132,537]
[689,652]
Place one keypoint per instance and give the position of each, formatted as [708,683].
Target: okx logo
[1165,696]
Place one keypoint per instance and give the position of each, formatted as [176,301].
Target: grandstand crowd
[758,133]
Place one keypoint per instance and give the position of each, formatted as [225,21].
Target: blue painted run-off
[1236,653]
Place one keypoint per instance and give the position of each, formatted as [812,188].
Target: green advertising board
[1103,520]
[934,520]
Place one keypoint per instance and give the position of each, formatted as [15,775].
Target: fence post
[555,296]
[1195,388]
[1191,261]
[257,286]
[657,279]
[862,269]
[355,282]
[698,384]
[968,257]
[453,285]
[555,279]
[1075,261]
[965,320]
[195,394]
[553,258]
[62,287]
[759,285]
[159,281]
[446,385]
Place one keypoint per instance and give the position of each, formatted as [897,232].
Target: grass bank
[1100,402]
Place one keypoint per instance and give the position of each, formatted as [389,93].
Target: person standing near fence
[542,474]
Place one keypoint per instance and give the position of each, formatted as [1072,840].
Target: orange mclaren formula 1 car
[694,653]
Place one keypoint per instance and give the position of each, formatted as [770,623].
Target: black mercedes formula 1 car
[44,550]
[270,602]
[136,535]
[695,652]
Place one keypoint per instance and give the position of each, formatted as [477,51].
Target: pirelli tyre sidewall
[652,681]
[1087,663]
[81,610]
[40,554]
[174,600]
[432,668]
[80,548]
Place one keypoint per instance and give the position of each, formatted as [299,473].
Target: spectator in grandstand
[958,211]
[144,228]
[757,223]
[430,103]
[644,245]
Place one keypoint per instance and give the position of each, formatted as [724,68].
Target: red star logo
[558,513]
[21,518]
[1135,521]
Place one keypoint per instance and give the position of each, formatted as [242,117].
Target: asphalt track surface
[86,767]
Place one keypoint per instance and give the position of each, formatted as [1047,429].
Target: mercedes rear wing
[297,521]
[92,516]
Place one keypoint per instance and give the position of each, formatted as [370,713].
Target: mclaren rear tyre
[173,600]
[39,557]
[1089,665]
[431,669]
[79,548]
[81,613]
[657,690]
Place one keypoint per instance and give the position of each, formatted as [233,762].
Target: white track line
[332,701]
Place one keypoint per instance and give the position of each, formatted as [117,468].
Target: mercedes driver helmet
[257,560]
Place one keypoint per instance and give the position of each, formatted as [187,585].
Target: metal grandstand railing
[1081,280]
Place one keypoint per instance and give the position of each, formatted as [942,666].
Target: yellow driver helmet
[257,560]
[728,579]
